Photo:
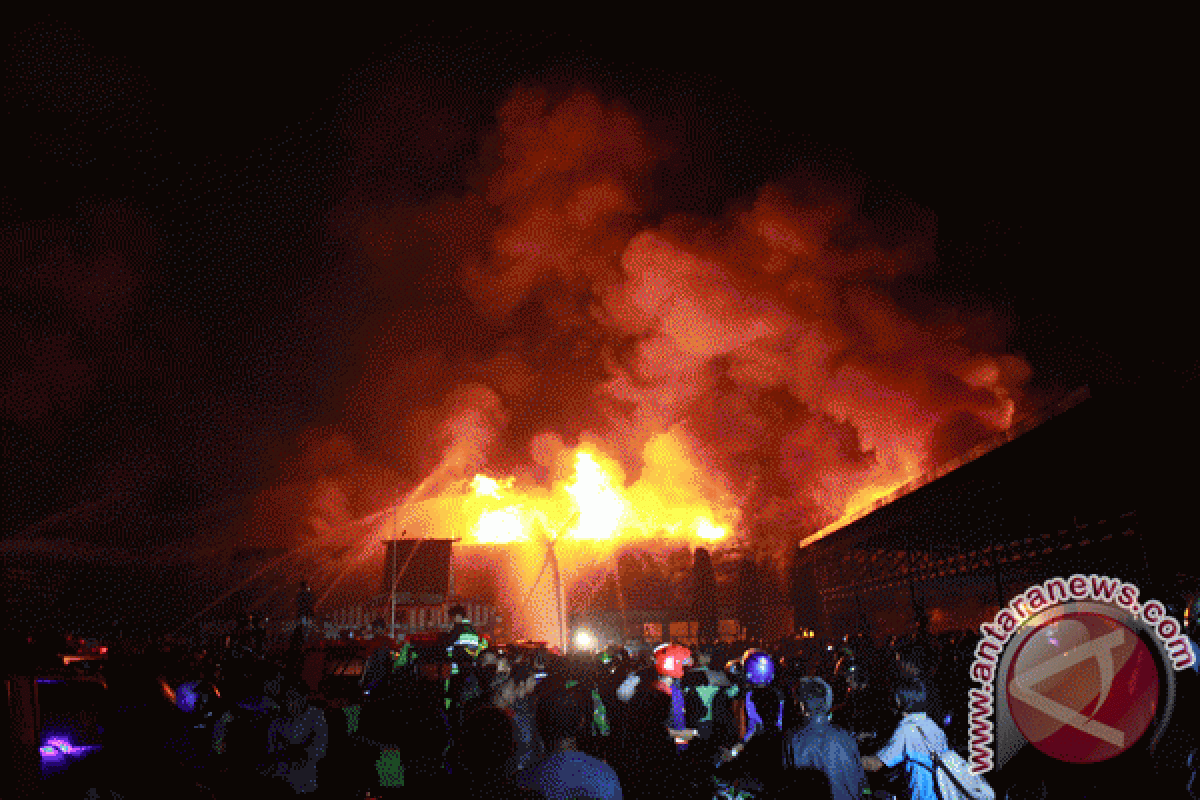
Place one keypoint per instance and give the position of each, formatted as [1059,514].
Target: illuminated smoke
[758,374]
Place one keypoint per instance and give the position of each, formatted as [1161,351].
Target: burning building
[1060,493]
[564,357]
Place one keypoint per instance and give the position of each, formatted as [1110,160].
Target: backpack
[952,778]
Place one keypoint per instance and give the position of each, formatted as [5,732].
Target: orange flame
[673,498]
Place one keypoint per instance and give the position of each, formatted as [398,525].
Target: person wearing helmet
[756,765]
[670,661]
[759,670]
[463,634]
[758,667]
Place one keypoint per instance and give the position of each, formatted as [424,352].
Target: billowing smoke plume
[780,342]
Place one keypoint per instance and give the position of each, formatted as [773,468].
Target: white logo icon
[1100,649]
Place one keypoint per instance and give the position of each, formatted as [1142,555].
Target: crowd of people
[840,719]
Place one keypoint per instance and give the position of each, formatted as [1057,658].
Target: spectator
[423,714]
[528,744]
[297,741]
[670,661]
[562,719]
[649,765]
[481,757]
[758,669]
[465,689]
[709,710]
[381,731]
[918,660]
[759,766]
[864,712]
[915,741]
[818,743]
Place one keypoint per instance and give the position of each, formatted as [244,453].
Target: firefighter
[463,634]
[463,687]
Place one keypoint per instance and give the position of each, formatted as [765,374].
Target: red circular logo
[1083,688]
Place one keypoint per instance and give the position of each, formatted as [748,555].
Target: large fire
[672,499]
[752,374]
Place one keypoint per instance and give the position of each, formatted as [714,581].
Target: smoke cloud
[778,342]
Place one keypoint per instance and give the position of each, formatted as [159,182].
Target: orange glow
[500,527]
[601,508]
[673,498]
[904,467]
[706,530]
[489,487]
[866,497]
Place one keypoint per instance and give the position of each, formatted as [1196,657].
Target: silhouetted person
[562,720]
[819,743]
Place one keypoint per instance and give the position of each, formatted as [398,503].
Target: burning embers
[672,499]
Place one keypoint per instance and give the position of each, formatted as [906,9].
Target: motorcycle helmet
[670,660]
[759,667]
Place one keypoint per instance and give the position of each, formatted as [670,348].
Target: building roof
[1019,428]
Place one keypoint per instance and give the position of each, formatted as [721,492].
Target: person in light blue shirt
[916,739]
[565,772]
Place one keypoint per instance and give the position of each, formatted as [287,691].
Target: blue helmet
[759,667]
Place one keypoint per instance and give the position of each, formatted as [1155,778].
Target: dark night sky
[210,152]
